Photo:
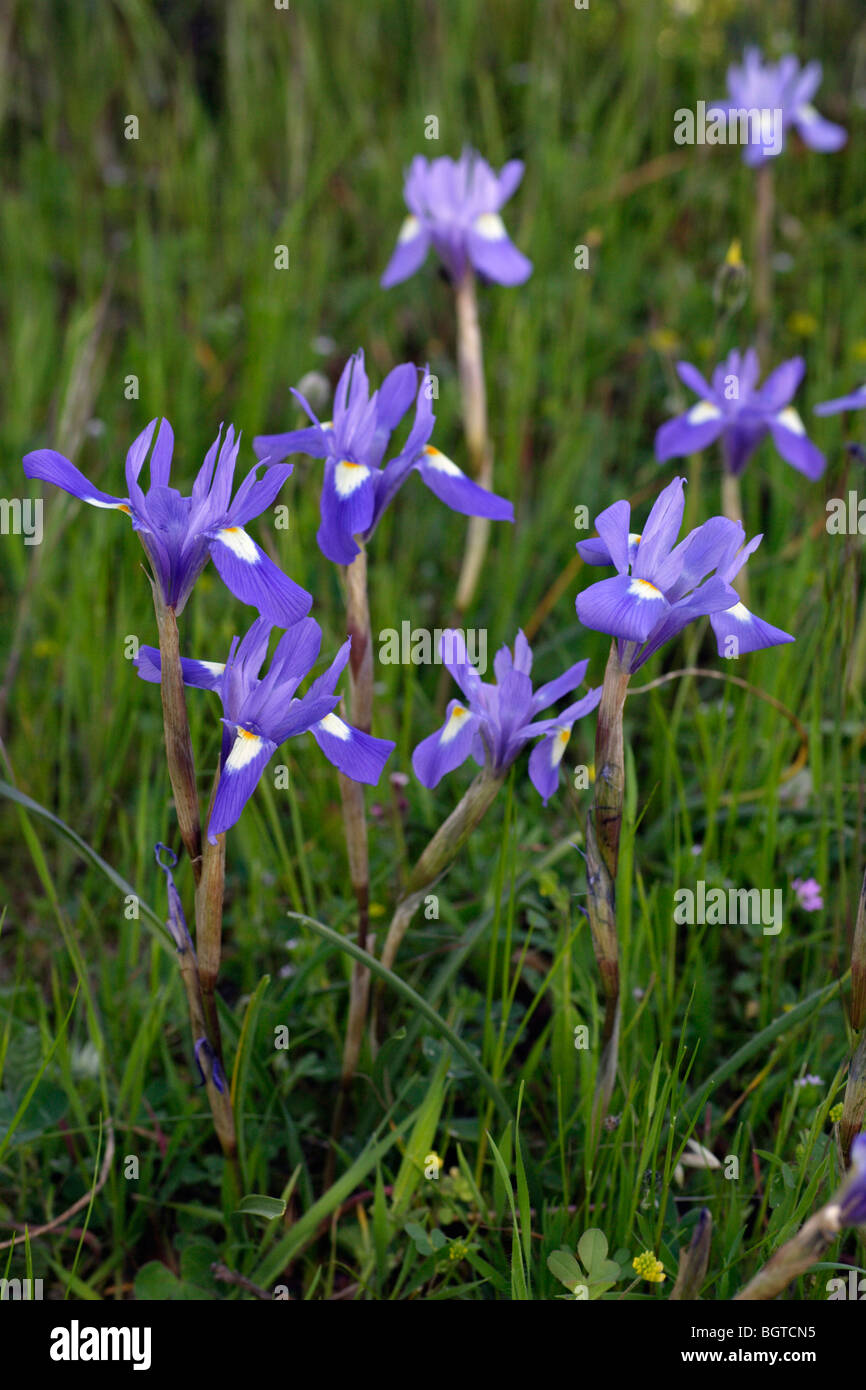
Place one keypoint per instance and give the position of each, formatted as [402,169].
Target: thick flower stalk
[660,587]
[846,1208]
[206,1048]
[854,1102]
[492,724]
[454,206]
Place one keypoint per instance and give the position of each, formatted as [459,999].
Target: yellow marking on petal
[122,507]
[456,720]
[349,476]
[490,226]
[244,750]
[702,412]
[333,724]
[789,419]
[235,539]
[559,746]
[409,229]
[441,462]
[642,588]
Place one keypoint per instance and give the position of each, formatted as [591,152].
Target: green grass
[154,258]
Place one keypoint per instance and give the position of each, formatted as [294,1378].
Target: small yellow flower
[836,1113]
[646,1266]
[376,910]
[458,1250]
[735,253]
[803,325]
[859,350]
[664,340]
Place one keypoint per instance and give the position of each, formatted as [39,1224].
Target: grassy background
[155,258]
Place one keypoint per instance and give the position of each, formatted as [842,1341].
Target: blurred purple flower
[856,400]
[496,722]
[737,411]
[262,714]
[783,86]
[180,533]
[454,206]
[658,587]
[809,893]
[356,488]
[854,1206]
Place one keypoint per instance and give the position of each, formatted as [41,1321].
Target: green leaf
[564,1267]
[257,1205]
[592,1249]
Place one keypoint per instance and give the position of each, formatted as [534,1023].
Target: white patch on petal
[333,724]
[642,589]
[109,506]
[239,543]
[348,477]
[437,460]
[490,225]
[739,613]
[409,230]
[702,412]
[789,419]
[559,745]
[216,668]
[806,112]
[457,719]
[245,748]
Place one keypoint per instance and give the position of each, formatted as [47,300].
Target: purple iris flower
[784,86]
[495,722]
[180,533]
[661,586]
[356,488]
[856,400]
[454,205]
[262,714]
[854,1205]
[740,413]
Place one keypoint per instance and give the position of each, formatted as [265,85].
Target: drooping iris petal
[204,675]
[738,631]
[413,243]
[544,761]
[254,578]
[249,756]
[446,749]
[689,433]
[493,253]
[451,486]
[792,442]
[52,467]
[625,607]
[359,755]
